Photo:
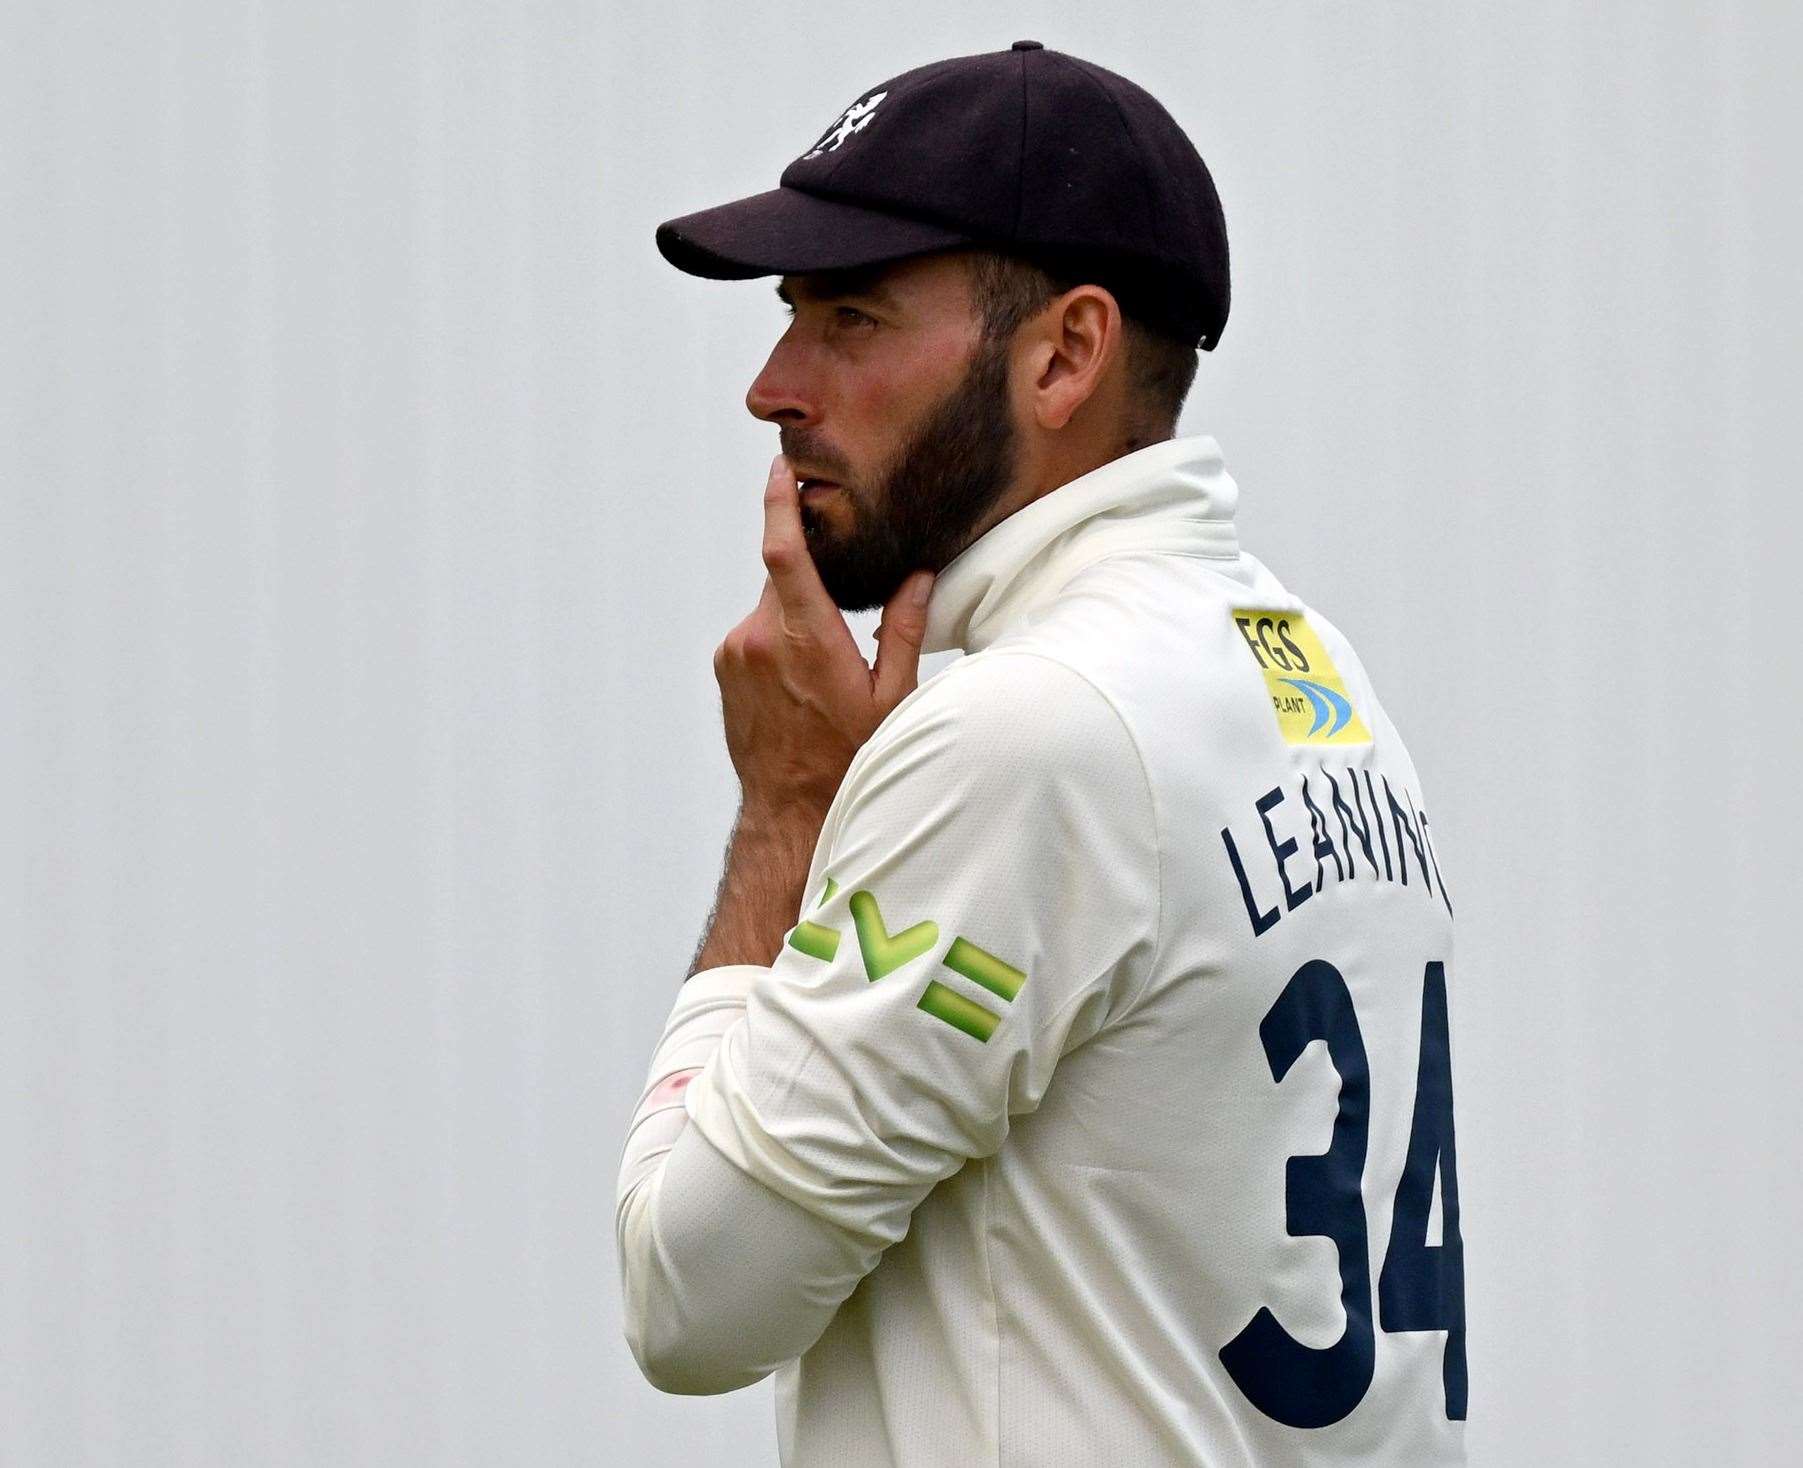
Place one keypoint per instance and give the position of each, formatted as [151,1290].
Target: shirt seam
[1139,759]
[995,1309]
[1133,142]
[1020,163]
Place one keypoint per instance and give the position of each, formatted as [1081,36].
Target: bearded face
[920,508]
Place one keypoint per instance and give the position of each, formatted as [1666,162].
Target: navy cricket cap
[1027,151]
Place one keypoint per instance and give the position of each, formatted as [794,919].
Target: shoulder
[1008,714]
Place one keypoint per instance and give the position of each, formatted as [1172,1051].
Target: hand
[798,698]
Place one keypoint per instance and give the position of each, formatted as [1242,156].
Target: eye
[852,312]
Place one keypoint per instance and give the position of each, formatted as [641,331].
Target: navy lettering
[1377,819]
[1291,896]
[1360,826]
[1405,826]
[1261,921]
[1323,842]
[1431,856]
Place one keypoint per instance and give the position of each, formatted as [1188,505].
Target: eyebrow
[835,285]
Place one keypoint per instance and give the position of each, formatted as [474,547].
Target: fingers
[804,599]
[898,640]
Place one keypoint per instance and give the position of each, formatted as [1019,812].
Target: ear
[1078,340]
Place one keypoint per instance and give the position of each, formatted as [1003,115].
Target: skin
[882,383]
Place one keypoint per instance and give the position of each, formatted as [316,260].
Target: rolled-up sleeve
[985,896]
[724,1280]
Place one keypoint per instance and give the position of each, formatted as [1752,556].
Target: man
[992,1118]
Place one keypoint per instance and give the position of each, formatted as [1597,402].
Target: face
[882,385]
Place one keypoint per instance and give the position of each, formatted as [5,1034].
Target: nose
[781,392]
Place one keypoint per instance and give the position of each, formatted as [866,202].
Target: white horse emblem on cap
[852,119]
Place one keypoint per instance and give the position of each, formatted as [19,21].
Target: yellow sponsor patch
[1310,700]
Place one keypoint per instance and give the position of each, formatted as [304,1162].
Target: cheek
[888,389]
[874,391]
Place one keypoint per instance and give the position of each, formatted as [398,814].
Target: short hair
[1009,288]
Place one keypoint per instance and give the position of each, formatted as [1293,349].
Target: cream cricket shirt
[1098,1106]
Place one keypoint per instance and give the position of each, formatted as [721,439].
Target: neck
[1058,458]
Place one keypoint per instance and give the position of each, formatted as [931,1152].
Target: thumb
[898,639]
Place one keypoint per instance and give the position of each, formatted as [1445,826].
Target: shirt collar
[1173,495]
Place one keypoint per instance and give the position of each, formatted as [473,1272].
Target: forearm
[723,1279]
[760,894]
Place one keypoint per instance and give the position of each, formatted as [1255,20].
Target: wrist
[761,892]
[787,825]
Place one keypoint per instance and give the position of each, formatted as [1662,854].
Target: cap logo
[853,119]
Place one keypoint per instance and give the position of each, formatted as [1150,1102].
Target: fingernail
[923,589]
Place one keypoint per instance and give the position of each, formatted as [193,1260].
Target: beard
[918,515]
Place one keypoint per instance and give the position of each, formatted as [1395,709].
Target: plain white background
[372,498]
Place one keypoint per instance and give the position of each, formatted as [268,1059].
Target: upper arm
[985,895]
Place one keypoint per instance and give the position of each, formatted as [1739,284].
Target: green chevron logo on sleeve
[884,952]
[1001,979]
[964,957]
[958,1012]
[811,938]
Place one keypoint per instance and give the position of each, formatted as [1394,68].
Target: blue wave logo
[1327,704]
